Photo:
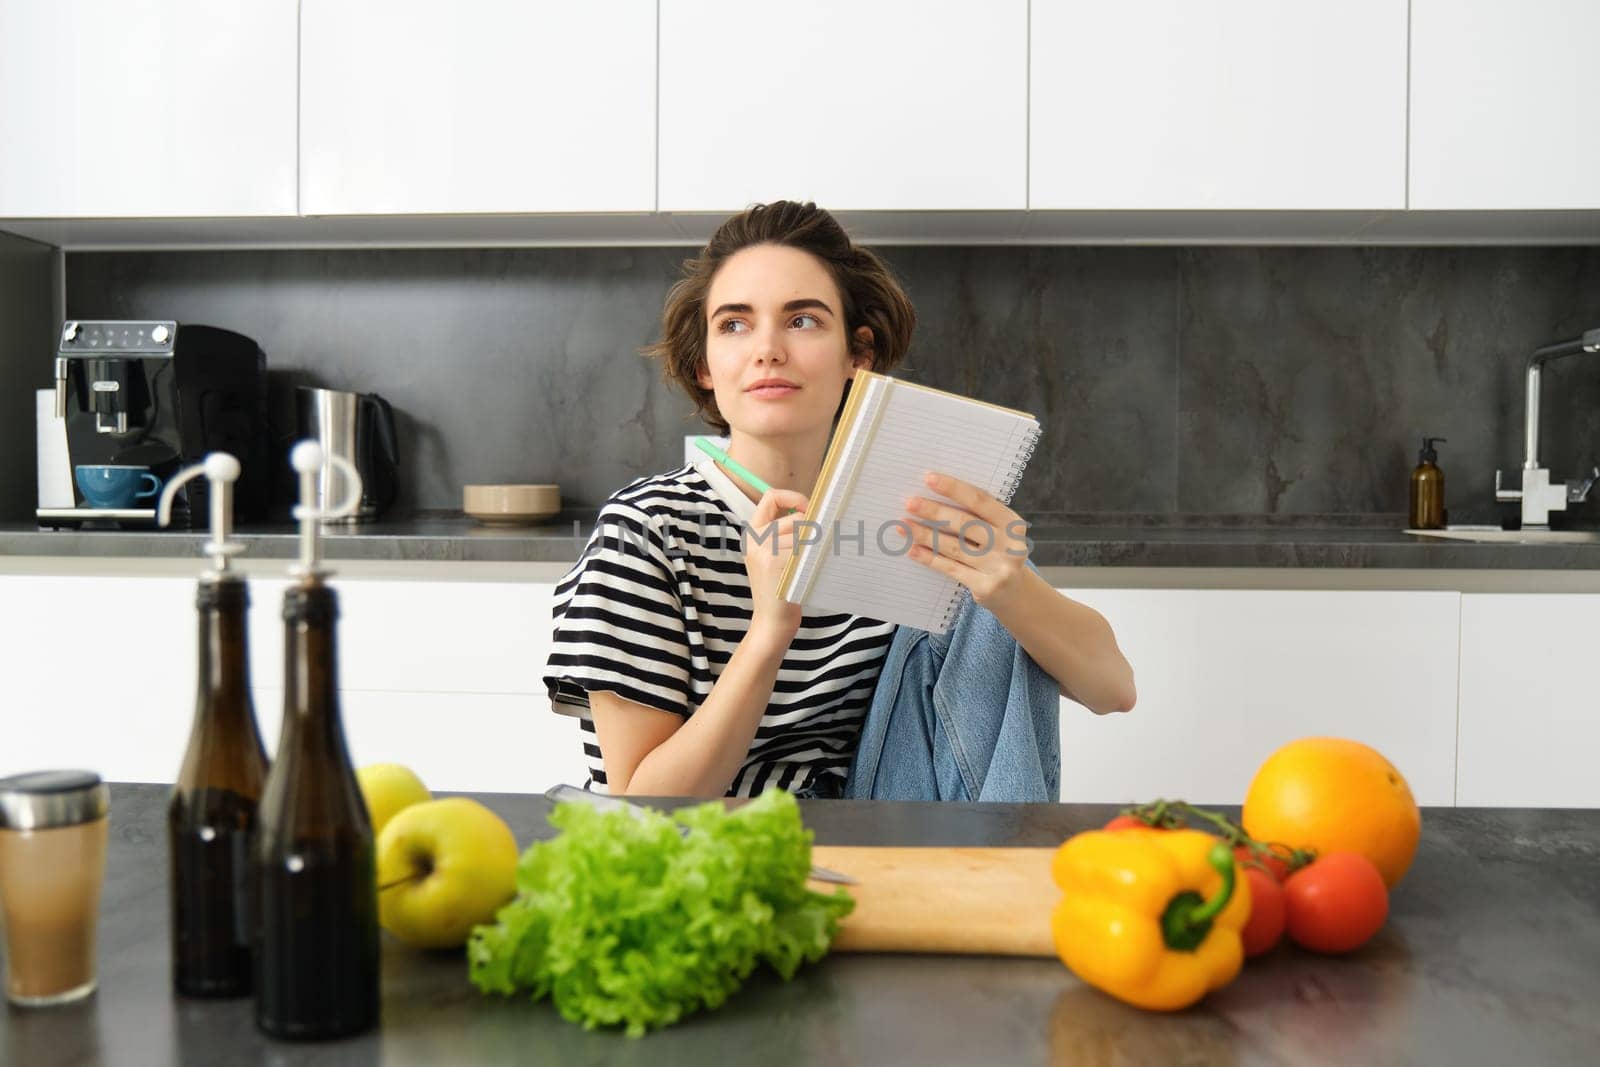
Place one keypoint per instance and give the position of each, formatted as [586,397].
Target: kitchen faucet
[1538,496]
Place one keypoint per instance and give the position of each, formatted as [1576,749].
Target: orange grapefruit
[1335,795]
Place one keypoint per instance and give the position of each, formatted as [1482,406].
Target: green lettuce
[627,920]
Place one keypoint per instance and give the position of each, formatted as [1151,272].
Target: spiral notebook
[890,434]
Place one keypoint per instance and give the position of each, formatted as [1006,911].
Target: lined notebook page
[918,431]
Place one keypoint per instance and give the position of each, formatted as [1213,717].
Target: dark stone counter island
[1491,955]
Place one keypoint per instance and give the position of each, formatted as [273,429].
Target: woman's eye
[731,326]
[812,319]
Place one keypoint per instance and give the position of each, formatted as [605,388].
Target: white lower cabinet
[1224,677]
[439,637]
[1530,713]
[471,742]
[445,676]
[99,674]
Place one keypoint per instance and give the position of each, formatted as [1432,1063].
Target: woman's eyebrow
[793,305]
[807,302]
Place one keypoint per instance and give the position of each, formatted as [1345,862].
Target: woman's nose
[769,346]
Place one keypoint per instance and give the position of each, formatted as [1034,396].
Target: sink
[1495,535]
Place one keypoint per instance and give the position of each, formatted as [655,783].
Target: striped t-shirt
[655,607]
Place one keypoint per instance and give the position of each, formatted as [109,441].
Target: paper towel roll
[55,465]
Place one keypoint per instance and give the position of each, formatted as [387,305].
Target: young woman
[691,677]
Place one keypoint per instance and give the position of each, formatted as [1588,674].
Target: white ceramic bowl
[511,505]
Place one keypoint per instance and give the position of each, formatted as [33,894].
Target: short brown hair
[870,294]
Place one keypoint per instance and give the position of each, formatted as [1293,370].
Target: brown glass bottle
[1426,510]
[317,945]
[213,808]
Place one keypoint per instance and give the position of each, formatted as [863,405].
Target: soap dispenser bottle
[1427,488]
[313,856]
[212,811]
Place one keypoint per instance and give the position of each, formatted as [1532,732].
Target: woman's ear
[702,376]
[861,354]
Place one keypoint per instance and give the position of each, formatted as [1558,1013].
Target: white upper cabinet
[1218,104]
[884,105]
[147,108]
[478,106]
[1505,104]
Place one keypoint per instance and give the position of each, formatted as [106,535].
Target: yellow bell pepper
[1152,917]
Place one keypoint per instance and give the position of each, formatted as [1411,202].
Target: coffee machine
[150,397]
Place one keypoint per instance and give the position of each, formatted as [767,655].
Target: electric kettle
[359,428]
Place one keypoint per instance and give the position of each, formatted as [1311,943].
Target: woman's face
[776,352]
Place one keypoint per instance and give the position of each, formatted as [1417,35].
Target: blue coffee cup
[110,485]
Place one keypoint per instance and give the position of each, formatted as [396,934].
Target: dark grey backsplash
[1243,381]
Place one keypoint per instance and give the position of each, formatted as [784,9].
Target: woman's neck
[782,462]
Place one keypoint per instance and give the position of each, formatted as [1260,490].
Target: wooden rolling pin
[978,901]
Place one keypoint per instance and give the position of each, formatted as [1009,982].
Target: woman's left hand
[978,541]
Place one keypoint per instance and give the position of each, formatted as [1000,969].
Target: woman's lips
[771,392]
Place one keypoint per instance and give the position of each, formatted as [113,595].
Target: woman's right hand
[764,560]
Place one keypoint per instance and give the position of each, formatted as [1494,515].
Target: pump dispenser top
[222,470]
[308,459]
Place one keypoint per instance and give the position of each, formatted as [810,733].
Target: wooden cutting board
[981,901]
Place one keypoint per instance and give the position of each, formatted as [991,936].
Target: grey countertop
[1127,542]
[1491,955]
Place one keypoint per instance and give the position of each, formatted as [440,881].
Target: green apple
[444,867]
[388,788]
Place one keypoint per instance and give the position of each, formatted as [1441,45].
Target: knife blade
[602,802]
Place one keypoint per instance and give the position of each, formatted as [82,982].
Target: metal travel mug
[52,867]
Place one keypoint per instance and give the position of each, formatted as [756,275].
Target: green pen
[704,444]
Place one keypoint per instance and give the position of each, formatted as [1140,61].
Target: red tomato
[1276,864]
[1128,822]
[1336,904]
[1265,928]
